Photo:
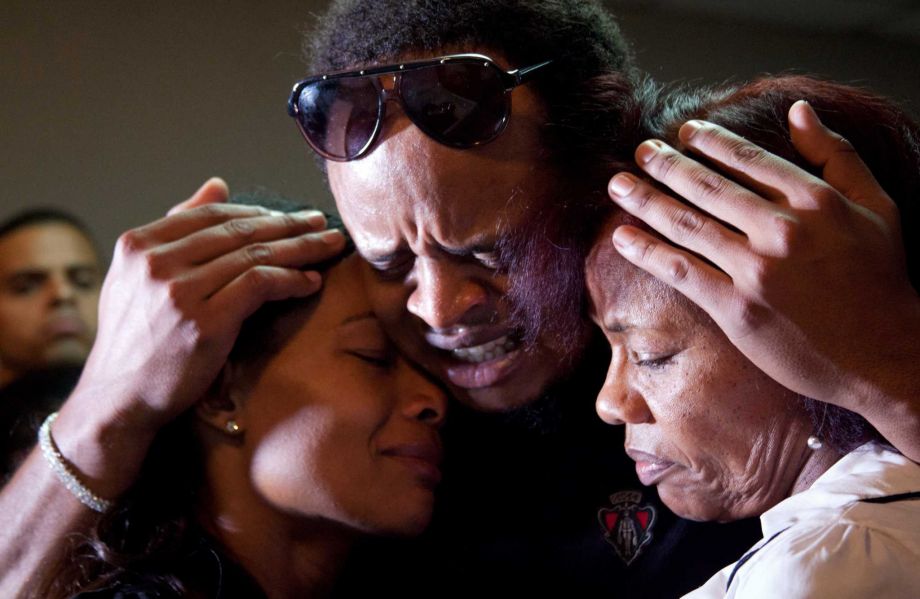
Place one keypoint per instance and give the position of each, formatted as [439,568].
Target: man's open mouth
[490,350]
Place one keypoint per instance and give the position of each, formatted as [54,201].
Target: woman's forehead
[622,291]
[344,295]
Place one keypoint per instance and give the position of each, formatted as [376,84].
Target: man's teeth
[485,352]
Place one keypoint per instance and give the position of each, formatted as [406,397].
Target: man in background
[50,274]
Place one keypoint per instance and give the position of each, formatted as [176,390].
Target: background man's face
[428,219]
[49,296]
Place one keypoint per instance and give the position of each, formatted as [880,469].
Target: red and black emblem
[627,524]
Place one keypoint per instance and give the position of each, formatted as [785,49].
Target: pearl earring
[232,427]
[814,442]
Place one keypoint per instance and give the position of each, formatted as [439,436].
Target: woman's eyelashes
[362,338]
[379,358]
[653,360]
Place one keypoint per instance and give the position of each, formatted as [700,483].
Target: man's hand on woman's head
[805,275]
[214,191]
[172,304]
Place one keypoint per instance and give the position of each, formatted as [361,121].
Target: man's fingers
[757,169]
[841,166]
[214,190]
[311,248]
[181,224]
[703,284]
[215,241]
[701,186]
[249,291]
[677,222]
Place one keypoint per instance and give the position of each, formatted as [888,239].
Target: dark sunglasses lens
[339,116]
[460,104]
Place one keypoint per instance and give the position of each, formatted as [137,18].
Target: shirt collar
[869,471]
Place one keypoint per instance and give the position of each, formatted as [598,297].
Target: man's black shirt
[546,501]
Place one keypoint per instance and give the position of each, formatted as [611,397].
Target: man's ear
[221,405]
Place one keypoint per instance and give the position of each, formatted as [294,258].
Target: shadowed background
[118,110]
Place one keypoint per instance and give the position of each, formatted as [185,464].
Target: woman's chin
[692,505]
[415,527]
[411,526]
[410,521]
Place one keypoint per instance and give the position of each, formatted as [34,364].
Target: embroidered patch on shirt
[627,524]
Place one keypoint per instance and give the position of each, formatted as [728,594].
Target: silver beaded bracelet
[64,473]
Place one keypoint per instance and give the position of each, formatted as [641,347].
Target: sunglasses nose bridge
[389,92]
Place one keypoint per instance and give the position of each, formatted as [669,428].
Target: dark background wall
[117,110]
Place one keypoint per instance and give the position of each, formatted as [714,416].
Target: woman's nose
[422,399]
[618,402]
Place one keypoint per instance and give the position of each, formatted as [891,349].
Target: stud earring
[232,427]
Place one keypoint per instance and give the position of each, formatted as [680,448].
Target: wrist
[105,448]
[887,392]
[65,473]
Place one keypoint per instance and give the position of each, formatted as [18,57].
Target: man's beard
[571,396]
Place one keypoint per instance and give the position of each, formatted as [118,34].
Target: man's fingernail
[690,129]
[313,218]
[313,277]
[623,239]
[622,185]
[802,113]
[332,237]
[647,150]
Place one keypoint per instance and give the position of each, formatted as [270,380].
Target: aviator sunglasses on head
[461,100]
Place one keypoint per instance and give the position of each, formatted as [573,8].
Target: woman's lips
[423,459]
[650,468]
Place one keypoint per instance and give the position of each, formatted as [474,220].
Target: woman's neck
[817,462]
[287,555]
[283,561]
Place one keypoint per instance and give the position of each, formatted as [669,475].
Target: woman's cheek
[286,465]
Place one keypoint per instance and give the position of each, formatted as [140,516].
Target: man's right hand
[172,304]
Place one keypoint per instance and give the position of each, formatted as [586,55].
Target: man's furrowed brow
[478,246]
[372,256]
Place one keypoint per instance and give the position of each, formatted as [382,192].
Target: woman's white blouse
[829,543]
